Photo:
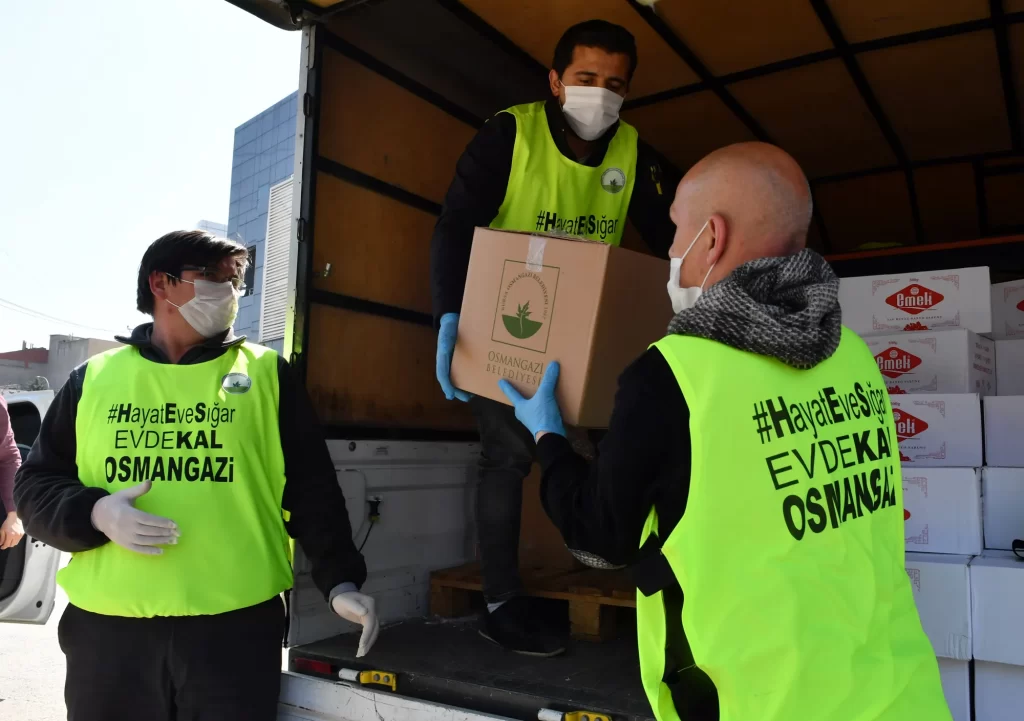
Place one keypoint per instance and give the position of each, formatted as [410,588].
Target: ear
[158,283]
[719,230]
[555,83]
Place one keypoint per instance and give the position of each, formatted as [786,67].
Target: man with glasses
[175,469]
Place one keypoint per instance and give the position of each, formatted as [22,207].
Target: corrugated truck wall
[385,160]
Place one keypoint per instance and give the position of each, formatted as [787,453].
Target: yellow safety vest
[795,601]
[207,436]
[549,193]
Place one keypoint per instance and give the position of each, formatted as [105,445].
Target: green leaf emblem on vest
[236,383]
[519,325]
[613,180]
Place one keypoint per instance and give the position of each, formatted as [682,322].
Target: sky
[117,123]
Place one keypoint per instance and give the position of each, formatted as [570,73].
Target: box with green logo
[531,299]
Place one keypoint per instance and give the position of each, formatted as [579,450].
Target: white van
[27,584]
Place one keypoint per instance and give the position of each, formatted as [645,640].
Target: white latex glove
[362,609]
[127,526]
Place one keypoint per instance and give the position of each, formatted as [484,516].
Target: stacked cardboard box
[955,374]
[997,575]
[531,299]
[925,332]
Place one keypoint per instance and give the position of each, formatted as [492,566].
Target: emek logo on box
[915,299]
[894,362]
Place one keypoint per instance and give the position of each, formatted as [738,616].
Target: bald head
[756,203]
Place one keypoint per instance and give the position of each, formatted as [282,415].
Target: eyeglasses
[214,275]
[1018,549]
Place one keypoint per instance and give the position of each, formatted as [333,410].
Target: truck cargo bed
[449,662]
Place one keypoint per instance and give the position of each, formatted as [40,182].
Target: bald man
[751,467]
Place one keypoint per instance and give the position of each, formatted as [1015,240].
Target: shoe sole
[533,654]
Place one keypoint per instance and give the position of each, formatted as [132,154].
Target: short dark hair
[171,252]
[601,34]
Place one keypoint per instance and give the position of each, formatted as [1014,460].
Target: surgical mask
[590,110]
[685,298]
[212,310]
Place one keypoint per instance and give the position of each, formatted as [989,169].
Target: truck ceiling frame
[446,54]
[998,22]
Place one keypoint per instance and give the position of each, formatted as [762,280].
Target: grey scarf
[786,308]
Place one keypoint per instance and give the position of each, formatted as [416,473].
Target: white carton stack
[997,592]
[942,591]
[998,576]
[1008,330]
[925,333]
[934,301]
[1008,310]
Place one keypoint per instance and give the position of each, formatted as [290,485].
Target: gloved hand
[361,609]
[127,526]
[445,350]
[539,414]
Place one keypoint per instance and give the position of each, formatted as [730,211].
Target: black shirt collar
[142,338]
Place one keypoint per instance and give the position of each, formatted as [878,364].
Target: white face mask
[685,298]
[213,309]
[590,110]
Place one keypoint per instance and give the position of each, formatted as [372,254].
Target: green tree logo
[519,325]
[613,180]
[236,383]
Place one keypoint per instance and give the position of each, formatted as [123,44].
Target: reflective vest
[795,602]
[207,436]
[548,192]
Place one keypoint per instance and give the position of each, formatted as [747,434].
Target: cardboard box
[938,300]
[1010,367]
[942,510]
[1004,507]
[1004,422]
[997,592]
[956,685]
[954,361]
[942,592]
[532,299]
[998,692]
[1008,310]
[938,429]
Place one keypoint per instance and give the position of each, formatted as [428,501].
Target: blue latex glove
[445,350]
[539,414]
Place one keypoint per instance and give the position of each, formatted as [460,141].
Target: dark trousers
[188,668]
[506,455]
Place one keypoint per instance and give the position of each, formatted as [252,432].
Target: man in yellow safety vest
[772,583]
[174,469]
[568,165]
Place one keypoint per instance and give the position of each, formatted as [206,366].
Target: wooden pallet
[593,596]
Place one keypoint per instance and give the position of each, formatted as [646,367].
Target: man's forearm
[473,200]
[316,506]
[568,498]
[57,510]
[449,264]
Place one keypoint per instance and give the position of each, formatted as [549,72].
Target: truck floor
[449,662]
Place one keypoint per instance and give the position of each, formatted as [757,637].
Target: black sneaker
[524,626]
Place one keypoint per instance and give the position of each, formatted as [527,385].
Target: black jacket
[478,190]
[56,507]
[643,461]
